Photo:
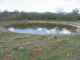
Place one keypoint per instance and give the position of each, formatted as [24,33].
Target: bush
[8,16]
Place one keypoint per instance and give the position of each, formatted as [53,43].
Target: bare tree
[75,11]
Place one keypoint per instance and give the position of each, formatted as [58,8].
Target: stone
[28,43]
[54,36]
[21,48]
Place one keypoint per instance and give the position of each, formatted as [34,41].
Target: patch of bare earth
[48,47]
[8,56]
[32,58]
[38,51]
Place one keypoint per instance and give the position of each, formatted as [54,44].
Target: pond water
[42,28]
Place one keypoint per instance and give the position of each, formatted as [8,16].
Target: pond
[42,28]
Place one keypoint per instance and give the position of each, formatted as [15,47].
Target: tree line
[62,16]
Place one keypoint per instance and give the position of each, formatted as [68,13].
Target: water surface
[41,28]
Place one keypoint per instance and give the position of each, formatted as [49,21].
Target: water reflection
[42,28]
[55,30]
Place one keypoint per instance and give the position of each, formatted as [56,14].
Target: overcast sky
[39,5]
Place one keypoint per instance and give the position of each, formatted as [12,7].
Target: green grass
[42,47]
[15,46]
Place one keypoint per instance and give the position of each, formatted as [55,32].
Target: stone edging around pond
[75,24]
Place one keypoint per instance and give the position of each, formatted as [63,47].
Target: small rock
[54,37]
[67,55]
[3,52]
[21,48]
[28,43]
[12,52]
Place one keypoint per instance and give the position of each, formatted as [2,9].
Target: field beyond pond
[15,46]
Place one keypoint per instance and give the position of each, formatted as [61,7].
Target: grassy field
[15,46]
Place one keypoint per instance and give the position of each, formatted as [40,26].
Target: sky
[39,5]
